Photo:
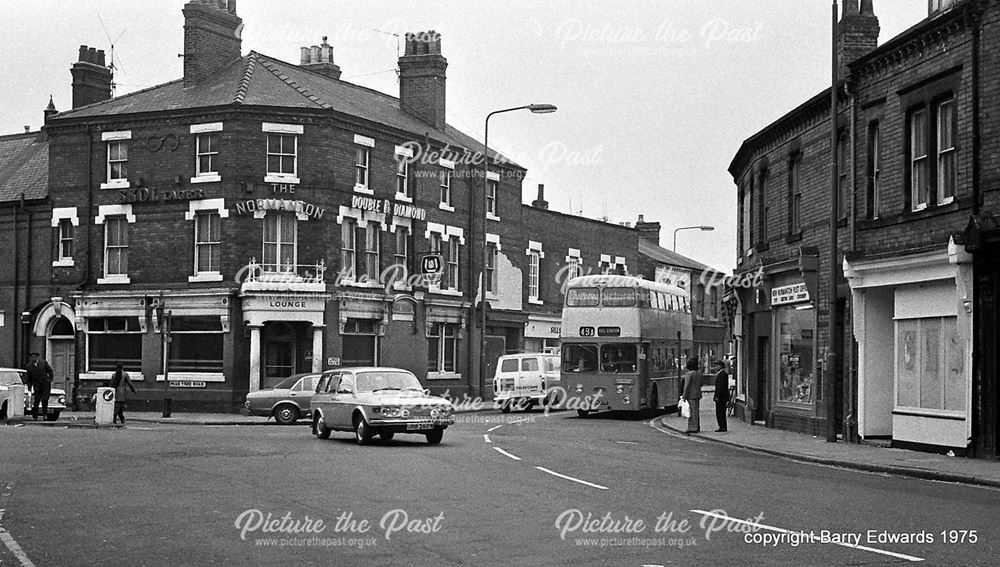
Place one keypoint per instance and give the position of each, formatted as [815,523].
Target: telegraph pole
[830,373]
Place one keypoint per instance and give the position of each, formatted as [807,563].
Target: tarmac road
[537,490]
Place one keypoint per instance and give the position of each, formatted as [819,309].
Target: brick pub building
[919,189]
[262,204]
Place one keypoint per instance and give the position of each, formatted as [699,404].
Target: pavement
[807,448]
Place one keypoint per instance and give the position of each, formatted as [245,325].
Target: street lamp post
[537,109]
[699,227]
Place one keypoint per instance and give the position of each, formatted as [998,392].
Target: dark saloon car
[288,401]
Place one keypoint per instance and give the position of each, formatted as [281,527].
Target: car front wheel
[386,435]
[362,431]
[321,430]
[434,436]
[286,414]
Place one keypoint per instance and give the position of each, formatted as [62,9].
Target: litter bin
[15,401]
[105,406]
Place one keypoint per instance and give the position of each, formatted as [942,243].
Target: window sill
[363,189]
[214,178]
[106,375]
[446,207]
[451,292]
[793,237]
[535,301]
[194,376]
[909,216]
[205,277]
[492,217]
[443,376]
[283,179]
[402,197]
[114,280]
[367,283]
[62,263]
[930,414]
[116,184]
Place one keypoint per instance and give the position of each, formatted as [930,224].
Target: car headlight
[390,412]
[62,400]
[579,388]
[440,412]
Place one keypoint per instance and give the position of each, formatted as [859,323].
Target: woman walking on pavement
[692,393]
[120,381]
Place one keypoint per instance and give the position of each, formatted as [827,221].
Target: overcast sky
[654,97]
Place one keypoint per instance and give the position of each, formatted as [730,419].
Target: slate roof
[669,257]
[259,80]
[24,167]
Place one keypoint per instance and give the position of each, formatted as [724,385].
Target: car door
[342,402]
[302,392]
[322,399]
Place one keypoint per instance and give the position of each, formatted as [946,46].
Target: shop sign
[387,207]
[153,195]
[785,294]
[333,361]
[187,384]
[297,207]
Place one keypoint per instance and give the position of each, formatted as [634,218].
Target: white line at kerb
[553,473]
[784,531]
[8,541]
[506,454]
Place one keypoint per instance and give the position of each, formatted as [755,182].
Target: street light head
[542,108]
[706,228]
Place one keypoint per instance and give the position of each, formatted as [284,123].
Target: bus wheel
[505,406]
[654,401]
[582,413]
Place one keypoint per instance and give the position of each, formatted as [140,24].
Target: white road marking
[494,428]
[513,421]
[784,531]
[505,453]
[553,473]
[627,442]
[653,423]
[8,540]
[486,438]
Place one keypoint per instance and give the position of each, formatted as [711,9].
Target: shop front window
[196,344]
[113,340]
[796,358]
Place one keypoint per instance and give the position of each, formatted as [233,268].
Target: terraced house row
[917,261]
[280,216]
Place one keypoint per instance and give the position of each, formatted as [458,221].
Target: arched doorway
[61,355]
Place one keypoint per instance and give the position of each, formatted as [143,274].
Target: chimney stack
[540,202]
[422,78]
[319,59]
[857,33]
[211,38]
[648,231]
[91,79]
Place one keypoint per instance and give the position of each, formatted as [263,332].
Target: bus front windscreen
[579,358]
[619,358]
[618,297]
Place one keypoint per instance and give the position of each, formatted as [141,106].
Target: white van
[523,380]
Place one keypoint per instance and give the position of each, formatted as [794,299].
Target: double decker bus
[624,342]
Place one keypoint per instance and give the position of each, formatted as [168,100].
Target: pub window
[115,246]
[65,239]
[207,154]
[453,274]
[491,267]
[361,157]
[117,160]
[445,175]
[282,154]
[372,250]
[402,177]
[111,340]
[280,240]
[402,255]
[442,348]
[348,247]
[533,274]
[491,197]
[196,344]
[207,242]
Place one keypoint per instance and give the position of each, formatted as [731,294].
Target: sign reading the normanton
[385,206]
[149,194]
[299,207]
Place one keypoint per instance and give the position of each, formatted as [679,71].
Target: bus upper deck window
[583,297]
[618,297]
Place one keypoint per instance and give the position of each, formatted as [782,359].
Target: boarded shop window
[930,364]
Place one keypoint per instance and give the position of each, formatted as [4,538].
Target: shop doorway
[760,379]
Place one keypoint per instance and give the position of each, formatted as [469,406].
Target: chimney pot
[866,8]
[304,60]
[83,53]
[319,59]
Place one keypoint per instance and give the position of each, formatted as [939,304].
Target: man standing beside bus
[721,394]
[692,393]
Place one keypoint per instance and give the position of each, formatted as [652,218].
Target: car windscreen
[388,380]
[287,383]
[551,363]
[12,377]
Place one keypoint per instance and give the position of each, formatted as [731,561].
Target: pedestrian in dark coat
[692,393]
[40,383]
[721,394]
[120,382]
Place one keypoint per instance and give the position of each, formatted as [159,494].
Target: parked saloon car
[377,401]
[287,401]
[10,376]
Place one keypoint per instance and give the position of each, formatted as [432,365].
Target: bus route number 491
[586,331]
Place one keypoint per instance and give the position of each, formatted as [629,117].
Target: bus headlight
[619,388]
[626,399]
[579,388]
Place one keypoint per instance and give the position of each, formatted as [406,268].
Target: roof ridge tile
[248,69]
[292,83]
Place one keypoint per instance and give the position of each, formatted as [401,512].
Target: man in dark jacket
[40,381]
[721,394]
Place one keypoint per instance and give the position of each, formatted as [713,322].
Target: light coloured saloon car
[11,376]
[287,401]
[372,401]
